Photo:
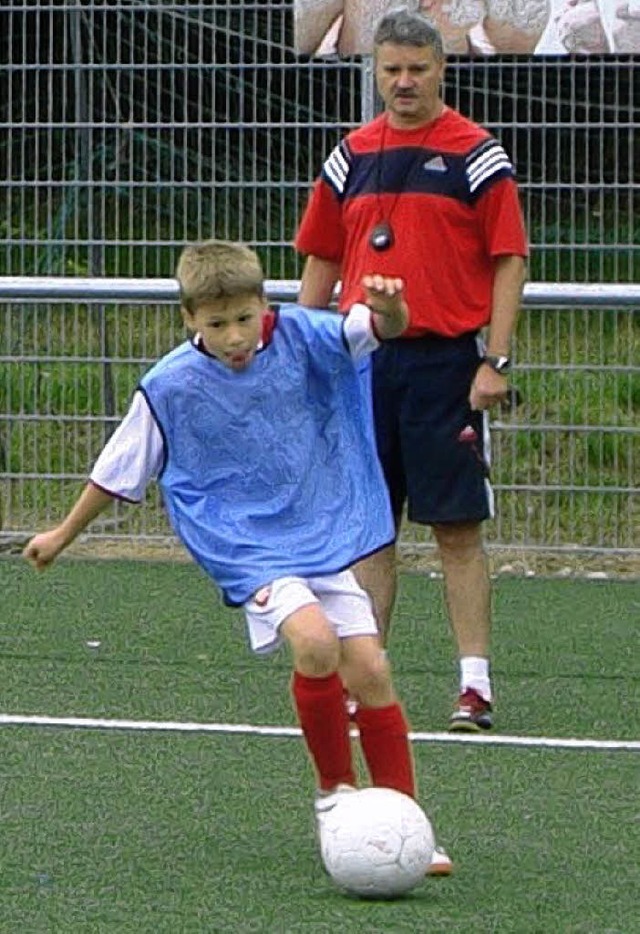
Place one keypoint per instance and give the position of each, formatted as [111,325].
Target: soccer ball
[376,842]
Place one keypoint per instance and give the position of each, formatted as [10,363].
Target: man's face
[408,79]
[230,328]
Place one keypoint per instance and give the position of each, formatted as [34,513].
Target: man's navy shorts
[434,450]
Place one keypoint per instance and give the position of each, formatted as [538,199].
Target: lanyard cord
[386,220]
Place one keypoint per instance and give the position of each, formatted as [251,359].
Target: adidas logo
[436,164]
[468,434]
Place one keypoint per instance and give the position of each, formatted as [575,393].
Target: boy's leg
[317,691]
[385,744]
[379,716]
[383,728]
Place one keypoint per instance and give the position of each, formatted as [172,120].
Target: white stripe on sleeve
[132,456]
[486,162]
[336,168]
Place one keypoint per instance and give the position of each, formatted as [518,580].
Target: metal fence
[566,460]
[130,127]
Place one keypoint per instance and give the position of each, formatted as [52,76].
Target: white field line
[172,726]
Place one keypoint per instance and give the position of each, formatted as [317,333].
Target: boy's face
[230,328]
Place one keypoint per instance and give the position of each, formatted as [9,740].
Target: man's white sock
[474,673]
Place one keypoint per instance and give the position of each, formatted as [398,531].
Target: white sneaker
[326,800]
[441,864]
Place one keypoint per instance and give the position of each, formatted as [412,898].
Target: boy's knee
[371,680]
[316,655]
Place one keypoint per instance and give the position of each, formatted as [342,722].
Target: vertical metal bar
[85,179]
[369,95]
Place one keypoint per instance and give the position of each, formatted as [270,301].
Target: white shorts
[345,604]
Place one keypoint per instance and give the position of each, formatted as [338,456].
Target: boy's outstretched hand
[44,548]
[383,293]
[384,296]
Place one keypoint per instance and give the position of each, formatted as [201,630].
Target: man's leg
[377,575]
[467,585]
[467,589]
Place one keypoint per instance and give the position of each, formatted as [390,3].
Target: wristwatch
[498,362]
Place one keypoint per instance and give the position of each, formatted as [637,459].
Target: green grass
[125,831]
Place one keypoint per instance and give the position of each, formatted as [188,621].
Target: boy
[255,433]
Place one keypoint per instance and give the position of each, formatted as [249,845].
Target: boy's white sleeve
[358,331]
[132,456]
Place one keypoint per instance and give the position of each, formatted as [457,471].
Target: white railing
[135,291]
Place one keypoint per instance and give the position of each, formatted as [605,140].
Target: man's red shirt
[448,191]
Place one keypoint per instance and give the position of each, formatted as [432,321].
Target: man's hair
[217,269]
[402,26]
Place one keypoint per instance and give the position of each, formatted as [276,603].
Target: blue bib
[271,471]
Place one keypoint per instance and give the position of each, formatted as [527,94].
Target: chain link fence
[130,128]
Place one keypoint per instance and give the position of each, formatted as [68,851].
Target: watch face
[498,363]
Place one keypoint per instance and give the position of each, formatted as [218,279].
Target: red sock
[324,720]
[385,744]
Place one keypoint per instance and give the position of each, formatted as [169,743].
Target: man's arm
[517,27]
[488,386]
[311,20]
[510,274]
[625,27]
[319,279]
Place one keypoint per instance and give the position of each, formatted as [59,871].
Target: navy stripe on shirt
[417,170]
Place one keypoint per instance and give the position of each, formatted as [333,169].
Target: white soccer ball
[376,842]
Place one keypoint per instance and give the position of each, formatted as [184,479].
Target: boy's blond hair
[217,269]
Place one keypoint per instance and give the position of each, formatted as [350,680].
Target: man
[594,26]
[423,193]
[487,27]
[484,27]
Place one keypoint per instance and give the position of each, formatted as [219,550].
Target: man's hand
[487,388]
[580,28]
[44,548]
[626,27]
[454,21]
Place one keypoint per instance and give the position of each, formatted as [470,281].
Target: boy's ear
[187,318]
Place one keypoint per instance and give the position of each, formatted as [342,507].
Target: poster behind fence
[326,28]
